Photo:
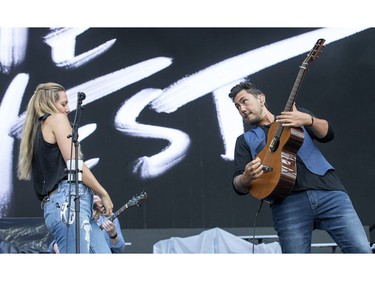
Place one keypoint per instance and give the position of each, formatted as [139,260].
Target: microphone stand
[76,172]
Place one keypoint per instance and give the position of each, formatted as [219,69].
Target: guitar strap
[309,153]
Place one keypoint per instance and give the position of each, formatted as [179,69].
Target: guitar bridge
[267,169]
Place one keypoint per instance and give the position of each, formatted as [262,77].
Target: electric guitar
[279,155]
[131,203]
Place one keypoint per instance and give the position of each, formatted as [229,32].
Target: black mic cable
[254,226]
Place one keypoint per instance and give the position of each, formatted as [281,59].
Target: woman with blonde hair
[44,151]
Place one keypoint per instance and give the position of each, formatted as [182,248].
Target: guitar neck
[115,215]
[132,202]
[292,97]
[297,84]
[296,87]
[118,212]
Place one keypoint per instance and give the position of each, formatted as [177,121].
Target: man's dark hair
[247,86]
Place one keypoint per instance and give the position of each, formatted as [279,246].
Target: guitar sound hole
[274,144]
[267,169]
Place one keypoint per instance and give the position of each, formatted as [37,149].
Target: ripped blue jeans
[61,222]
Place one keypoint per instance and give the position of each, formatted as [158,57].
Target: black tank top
[48,165]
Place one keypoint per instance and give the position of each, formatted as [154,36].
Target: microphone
[81,96]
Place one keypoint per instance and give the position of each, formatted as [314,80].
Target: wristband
[312,121]
[114,236]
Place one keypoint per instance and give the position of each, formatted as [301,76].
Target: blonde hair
[42,102]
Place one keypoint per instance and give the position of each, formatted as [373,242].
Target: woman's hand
[107,203]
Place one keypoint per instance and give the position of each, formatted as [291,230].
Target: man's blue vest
[309,153]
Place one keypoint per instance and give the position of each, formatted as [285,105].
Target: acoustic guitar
[279,155]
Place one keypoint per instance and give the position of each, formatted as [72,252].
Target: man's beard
[254,121]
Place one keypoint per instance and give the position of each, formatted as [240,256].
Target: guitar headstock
[315,51]
[137,199]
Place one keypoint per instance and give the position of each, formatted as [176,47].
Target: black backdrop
[196,192]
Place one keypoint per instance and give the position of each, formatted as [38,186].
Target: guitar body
[277,183]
